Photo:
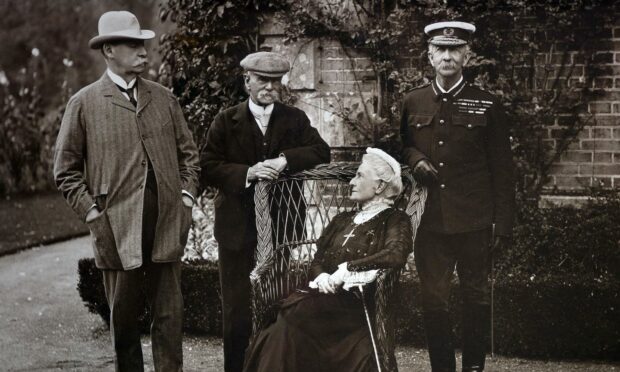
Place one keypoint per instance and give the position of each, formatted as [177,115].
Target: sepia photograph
[310,185]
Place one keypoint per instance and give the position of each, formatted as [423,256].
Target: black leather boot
[475,336]
[440,341]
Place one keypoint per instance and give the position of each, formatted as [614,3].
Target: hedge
[557,290]
[199,285]
[549,319]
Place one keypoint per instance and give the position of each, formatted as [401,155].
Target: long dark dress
[318,332]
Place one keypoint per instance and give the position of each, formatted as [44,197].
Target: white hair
[432,48]
[384,172]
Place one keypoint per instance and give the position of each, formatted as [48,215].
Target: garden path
[45,327]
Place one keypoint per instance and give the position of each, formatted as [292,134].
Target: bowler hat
[119,25]
[449,33]
[266,64]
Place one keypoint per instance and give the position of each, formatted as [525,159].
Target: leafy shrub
[557,290]
[199,285]
[527,53]
[567,242]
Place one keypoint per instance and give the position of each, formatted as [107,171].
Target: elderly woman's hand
[339,276]
[323,283]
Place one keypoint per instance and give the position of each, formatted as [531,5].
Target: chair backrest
[291,214]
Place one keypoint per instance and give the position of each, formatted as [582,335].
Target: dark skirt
[315,332]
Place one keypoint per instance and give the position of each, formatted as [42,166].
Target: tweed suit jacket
[101,157]
[465,135]
[229,153]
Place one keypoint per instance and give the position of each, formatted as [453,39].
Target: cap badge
[448,31]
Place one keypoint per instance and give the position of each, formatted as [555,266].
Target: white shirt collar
[258,110]
[120,81]
[452,88]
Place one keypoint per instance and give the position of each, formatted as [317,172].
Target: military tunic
[464,134]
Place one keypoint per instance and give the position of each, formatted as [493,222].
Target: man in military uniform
[455,138]
[254,140]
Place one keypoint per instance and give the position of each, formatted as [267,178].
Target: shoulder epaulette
[418,87]
[478,87]
[481,89]
[422,86]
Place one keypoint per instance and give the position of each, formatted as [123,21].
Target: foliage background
[45,58]
[526,54]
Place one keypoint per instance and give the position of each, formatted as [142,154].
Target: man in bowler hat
[127,165]
[256,139]
[456,139]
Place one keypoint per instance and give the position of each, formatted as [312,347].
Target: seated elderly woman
[323,327]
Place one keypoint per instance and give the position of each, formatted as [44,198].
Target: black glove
[425,173]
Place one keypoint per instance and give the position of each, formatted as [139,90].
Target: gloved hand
[338,277]
[323,284]
[424,172]
[500,244]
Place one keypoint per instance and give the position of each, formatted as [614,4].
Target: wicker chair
[291,213]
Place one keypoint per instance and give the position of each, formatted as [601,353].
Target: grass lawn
[32,220]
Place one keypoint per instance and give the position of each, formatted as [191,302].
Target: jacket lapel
[242,129]
[111,91]
[278,126]
[144,94]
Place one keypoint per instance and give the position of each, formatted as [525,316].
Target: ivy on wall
[537,56]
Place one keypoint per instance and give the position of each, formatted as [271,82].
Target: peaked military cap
[449,33]
[266,64]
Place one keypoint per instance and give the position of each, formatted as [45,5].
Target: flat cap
[449,33]
[266,64]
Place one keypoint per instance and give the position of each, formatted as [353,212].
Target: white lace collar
[371,209]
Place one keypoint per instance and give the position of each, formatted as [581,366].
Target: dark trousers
[235,267]
[437,255]
[161,282]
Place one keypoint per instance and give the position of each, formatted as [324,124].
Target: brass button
[469,126]
[440,143]
[440,165]
[445,100]
[442,186]
[441,121]
[418,125]
[143,162]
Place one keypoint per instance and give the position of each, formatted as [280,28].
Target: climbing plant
[536,56]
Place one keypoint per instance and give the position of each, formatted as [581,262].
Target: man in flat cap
[126,162]
[456,139]
[256,139]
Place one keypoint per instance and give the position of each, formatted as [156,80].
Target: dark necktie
[129,92]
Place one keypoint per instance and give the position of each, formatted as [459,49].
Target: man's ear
[106,50]
[467,57]
[430,57]
[246,81]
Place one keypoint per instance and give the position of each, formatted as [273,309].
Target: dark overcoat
[234,145]
[101,155]
[465,135]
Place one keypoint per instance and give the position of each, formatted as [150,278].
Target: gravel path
[45,327]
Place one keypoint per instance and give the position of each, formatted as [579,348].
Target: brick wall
[594,158]
[326,78]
